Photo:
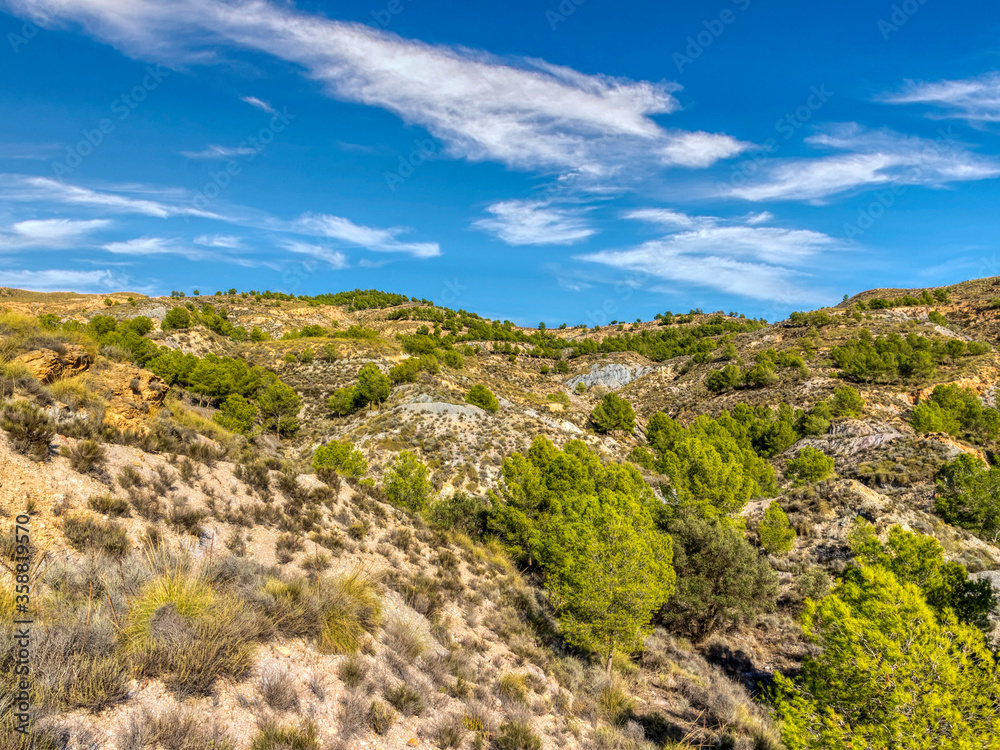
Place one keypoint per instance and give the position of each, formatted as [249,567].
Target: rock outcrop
[49,365]
[613,377]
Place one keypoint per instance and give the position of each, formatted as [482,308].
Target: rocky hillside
[269,522]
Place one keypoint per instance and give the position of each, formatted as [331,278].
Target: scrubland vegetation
[281,538]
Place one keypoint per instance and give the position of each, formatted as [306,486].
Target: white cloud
[877,157]
[143,246]
[253,101]
[333,258]
[520,222]
[667,217]
[370,238]
[975,99]
[49,233]
[219,152]
[525,113]
[22,188]
[737,258]
[58,280]
[219,240]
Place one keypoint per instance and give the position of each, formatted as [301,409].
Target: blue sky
[574,161]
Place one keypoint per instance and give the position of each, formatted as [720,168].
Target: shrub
[285,547]
[406,484]
[272,736]
[344,401]
[726,379]
[341,457]
[405,699]
[176,317]
[968,495]
[87,532]
[461,512]
[847,402]
[182,630]
[777,536]
[109,505]
[956,410]
[562,367]
[129,477]
[236,414]
[380,717]
[453,360]
[373,387]
[86,456]
[517,735]
[615,703]
[278,689]
[30,430]
[513,687]
[481,396]
[613,413]
[811,465]
[722,580]
[352,671]
[581,387]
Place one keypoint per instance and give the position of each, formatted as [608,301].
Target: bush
[811,465]
[968,495]
[580,388]
[272,736]
[176,317]
[562,367]
[722,580]
[373,387]
[777,536]
[847,402]
[726,379]
[236,414]
[613,413]
[380,718]
[86,533]
[956,410]
[517,735]
[344,401]
[461,512]
[406,484]
[30,430]
[86,456]
[109,506]
[405,699]
[481,396]
[341,457]
[180,629]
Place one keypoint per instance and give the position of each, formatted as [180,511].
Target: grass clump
[180,629]
[380,717]
[30,430]
[513,688]
[85,457]
[88,533]
[405,699]
[273,736]
[109,505]
[517,735]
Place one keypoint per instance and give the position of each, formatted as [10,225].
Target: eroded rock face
[132,395]
[613,376]
[49,365]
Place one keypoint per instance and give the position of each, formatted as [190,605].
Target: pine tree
[406,483]
[777,536]
[373,386]
[279,406]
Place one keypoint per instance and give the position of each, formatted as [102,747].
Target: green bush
[406,482]
[453,359]
[847,402]
[341,457]
[373,386]
[777,536]
[968,495]
[517,735]
[481,396]
[461,512]
[176,317]
[726,379]
[957,411]
[811,465]
[722,580]
[344,401]
[236,414]
[613,413]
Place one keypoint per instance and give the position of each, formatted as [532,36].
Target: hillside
[203,570]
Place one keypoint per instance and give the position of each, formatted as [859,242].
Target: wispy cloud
[144,246]
[42,190]
[219,152]
[526,113]
[749,260]
[51,234]
[525,222]
[974,99]
[219,240]
[875,157]
[253,101]
[370,238]
[58,280]
[333,258]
